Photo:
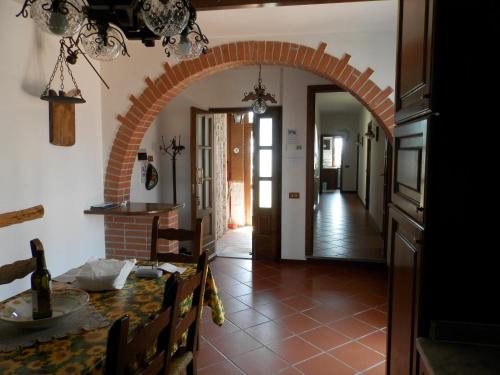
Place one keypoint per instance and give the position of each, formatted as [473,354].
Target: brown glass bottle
[41,288]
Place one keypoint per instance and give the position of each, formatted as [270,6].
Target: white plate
[65,302]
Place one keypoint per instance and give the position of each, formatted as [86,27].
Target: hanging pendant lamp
[259,97]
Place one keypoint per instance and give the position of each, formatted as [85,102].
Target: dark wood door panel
[266,237]
[408,189]
[405,237]
[413,86]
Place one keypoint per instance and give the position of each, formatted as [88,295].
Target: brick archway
[145,108]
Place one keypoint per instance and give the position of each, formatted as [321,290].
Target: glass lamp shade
[187,48]
[259,106]
[102,46]
[165,17]
[64,18]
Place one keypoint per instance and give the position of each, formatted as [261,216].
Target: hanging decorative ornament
[259,97]
[165,17]
[103,42]
[60,17]
[191,42]
[72,96]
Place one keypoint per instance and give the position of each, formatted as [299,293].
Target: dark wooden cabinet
[404,245]
[408,189]
[413,83]
[437,137]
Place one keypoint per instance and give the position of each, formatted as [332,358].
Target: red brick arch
[145,108]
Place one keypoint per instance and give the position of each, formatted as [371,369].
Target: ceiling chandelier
[259,97]
[98,28]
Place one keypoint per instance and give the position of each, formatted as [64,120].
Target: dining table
[85,352]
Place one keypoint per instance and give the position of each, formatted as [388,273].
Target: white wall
[376,49]
[150,144]
[224,89]
[66,180]
[290,87]
[345,125]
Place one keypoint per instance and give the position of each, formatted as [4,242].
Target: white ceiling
[366,16]
[337,102]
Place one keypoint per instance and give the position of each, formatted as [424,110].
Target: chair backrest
[21,268]
[189,321]
[195,236]
[125,356]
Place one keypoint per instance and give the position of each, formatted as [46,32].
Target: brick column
[129,236]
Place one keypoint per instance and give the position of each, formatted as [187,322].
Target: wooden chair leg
[192,368]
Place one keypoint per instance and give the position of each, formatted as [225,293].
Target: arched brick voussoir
[174,79]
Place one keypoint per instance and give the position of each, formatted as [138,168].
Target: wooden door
[368,166]
[266,239]
[405,238]
[387,192]
[202,182]
[410,147]
[413,91]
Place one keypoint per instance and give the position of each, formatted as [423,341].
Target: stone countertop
[453,358]
[136,209]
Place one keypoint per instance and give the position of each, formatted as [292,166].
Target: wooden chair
[21,268]
[185,358]
[164,331]
[176,235]
[124,356]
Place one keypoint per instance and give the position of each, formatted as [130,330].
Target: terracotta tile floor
[296,318]
[343,229]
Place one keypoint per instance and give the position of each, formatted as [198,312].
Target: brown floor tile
[377,341]
[325,338]
[377,370]
[275,310]
[325,314]
[208,355]
[211,331]
[324,365]
[357,356]
[289,371]
[236,343]
[293,349]
[256,299]
[237,290]
[247,318]
[298,323]
[222,368]
[261,361]
[301,302]
[373,317]
[352,328]
[232,305]
[268,332]
[335,286]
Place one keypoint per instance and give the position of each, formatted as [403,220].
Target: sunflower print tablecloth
[85,353]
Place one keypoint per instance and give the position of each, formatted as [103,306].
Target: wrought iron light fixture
[101,26]
[259,97]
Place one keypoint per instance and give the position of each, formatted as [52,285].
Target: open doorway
[235,239]
[236,181]
[346,210]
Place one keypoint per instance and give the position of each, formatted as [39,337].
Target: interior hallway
[296,318]
[343,229]
[235,243]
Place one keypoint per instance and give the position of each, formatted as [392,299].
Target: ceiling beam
[237,4]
